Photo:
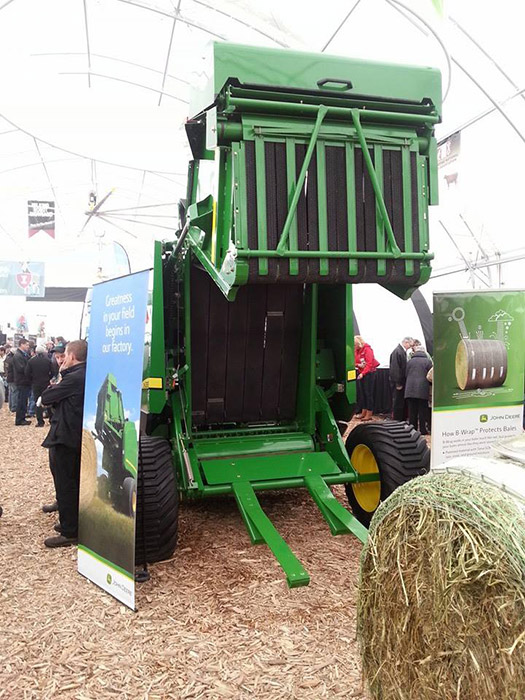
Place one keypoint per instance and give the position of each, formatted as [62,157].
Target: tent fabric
[97,93]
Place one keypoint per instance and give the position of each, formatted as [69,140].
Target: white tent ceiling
[94,95]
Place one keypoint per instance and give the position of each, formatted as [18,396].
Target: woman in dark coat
[417,388]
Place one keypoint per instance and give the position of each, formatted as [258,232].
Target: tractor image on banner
[108,482]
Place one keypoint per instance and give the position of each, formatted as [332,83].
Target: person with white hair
[397,376]
[39,372]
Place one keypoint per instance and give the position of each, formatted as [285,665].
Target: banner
[479,361]
[22,279]
[41,217]
[108,479]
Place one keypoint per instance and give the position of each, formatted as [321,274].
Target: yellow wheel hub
[134,502]
[367,494]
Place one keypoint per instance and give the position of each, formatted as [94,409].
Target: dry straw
[441,612]
[88,475]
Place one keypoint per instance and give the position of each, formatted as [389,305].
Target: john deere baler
[310,173]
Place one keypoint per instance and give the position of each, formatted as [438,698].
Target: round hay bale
[88,471]
[441,609]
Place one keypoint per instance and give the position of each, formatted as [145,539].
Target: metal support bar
[321,113]
[370,115]
[376,185]
[340,521]
[262,530]
[343,254]
[291,483]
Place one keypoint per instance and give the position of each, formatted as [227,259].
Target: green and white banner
[109,465]
[479,371]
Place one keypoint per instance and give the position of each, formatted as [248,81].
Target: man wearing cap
[39,373]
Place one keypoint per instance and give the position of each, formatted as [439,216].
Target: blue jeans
[21,405]
[32,404]
[13,396]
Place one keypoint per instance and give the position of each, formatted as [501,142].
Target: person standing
[23,385]
[417,389]
[366,366]
[397,377]
[39,373]
[65,438]
[12,393]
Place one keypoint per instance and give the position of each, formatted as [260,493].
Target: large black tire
[400,453]
[157,502]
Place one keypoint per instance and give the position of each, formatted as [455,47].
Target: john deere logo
[483,418]
[109,579]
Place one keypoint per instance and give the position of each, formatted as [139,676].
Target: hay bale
[441,610]
[88,471]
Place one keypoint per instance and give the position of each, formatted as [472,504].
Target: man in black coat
[397,376]
[23,385]
[10,379]
[65,438]
[39,372]
[417,389]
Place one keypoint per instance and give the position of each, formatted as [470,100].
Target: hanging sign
[109,463]
[41,217]
[22,279]
[479,361]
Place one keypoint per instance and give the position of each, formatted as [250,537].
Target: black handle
[338,84]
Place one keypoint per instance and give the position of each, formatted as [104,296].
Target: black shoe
[57,527]
[60,541]
[25,422]
[40,425]
[51,508]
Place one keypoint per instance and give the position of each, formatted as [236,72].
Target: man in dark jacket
[39,372]
[23,385]
[64,440]
[10,379]
[417,389]
[397,376]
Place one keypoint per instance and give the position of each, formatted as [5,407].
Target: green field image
[107,532]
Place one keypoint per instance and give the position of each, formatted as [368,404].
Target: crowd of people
[47,382]
[410,376]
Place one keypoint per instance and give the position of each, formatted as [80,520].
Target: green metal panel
[279,466]
[253,445]
[264,66]
[157,360]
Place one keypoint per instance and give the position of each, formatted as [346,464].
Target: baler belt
[331,197]
[244,353]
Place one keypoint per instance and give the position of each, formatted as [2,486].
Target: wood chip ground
[217,621]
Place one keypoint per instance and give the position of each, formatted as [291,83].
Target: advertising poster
[40,217]
[479,361]
[108,479]
[22,279]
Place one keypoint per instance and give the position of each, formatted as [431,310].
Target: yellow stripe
[351,375]
[152,383]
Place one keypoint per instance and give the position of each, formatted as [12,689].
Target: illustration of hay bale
[441,611]
[88,472]
[480,364]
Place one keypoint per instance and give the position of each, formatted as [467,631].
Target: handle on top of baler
[335,84]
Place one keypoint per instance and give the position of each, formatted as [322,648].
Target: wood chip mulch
[216,621]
